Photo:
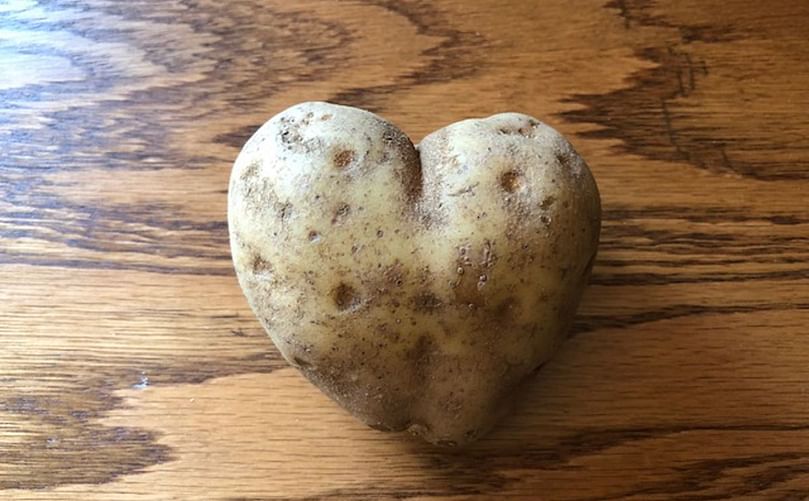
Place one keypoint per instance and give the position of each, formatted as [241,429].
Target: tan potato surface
[416,286]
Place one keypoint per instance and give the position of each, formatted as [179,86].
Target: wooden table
[132,368]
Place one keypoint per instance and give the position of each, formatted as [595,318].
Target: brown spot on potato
[394,275]
[506,309]
[289,136]
[325,117]
[250,171]
[313,236]
[525,130]
[345,297]
[285,211]
[511,181]
[259,265]
[343,158]
[488,255]
[427,302]
[563,158]
[426,220]
[342,212]
[545,204]
[389,136]
[421,355]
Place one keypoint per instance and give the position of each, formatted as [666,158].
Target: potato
[416,286]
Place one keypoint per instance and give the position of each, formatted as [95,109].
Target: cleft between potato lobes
[418,287]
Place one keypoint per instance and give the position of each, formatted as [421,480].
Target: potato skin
[417,287]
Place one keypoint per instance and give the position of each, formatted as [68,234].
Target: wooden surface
[131,367]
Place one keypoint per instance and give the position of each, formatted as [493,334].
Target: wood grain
[132,368]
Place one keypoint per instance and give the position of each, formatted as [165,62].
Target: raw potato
[417,287]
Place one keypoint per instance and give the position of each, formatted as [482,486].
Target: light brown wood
[132,368]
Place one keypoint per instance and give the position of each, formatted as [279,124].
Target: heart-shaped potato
[416,286]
